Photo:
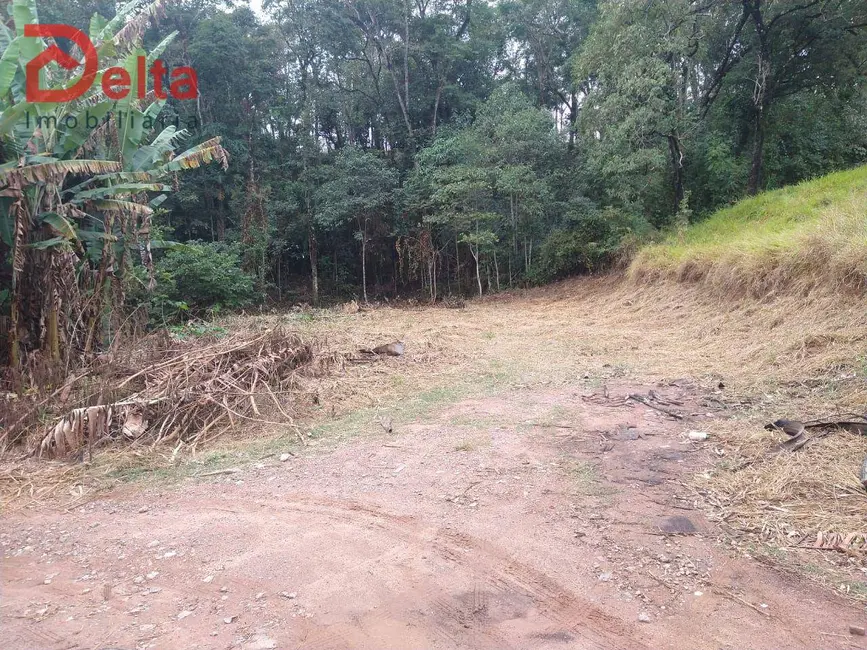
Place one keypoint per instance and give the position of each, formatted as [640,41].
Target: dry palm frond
[131,33]
[80,426]
[55,172]
[851,542]
[130,20]
[198,390]
[124,207]
[202,154]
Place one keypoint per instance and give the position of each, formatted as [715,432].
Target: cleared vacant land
[524,476]
[521,500]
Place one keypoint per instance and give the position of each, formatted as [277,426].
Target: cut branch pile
[198,391]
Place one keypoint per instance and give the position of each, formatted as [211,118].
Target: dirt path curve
[526,520]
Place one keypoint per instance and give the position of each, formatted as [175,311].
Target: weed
[197,329]
[587,480]
[854,589]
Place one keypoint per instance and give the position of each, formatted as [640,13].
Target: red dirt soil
[518,530]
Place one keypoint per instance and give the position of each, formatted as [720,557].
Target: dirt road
[521,502]
[529,520]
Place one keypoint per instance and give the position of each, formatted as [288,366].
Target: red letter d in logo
[36,94]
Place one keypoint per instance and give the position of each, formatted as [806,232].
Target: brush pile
[187,392]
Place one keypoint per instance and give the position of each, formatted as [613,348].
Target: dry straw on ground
[788,498]
[793,355]
[179,391]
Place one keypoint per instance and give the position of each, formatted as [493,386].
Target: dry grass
[786,356]
[766,297]
[175,391]
[786,498]
[803,512]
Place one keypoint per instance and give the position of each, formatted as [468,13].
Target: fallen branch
[643,400]
[197,392]
[740,600]
[550,426]
[218,472]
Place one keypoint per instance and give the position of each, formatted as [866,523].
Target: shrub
[197,278]
[589,241]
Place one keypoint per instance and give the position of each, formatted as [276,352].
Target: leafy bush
[196,278]
[196,329]
[588,241]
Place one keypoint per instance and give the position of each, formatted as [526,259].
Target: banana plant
[76,198]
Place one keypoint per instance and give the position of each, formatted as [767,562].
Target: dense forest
[428,148]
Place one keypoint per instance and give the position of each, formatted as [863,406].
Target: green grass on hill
[807,236]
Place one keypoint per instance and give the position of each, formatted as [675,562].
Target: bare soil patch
[564,525]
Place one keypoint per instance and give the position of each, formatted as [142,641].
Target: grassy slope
[800,237]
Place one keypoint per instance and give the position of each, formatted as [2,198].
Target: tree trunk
[513,209]
[475,253]
[221,219]
[458,264]
[364,259]
[14,335]
[761,97]
[53,334]
[314,270]
[436,109]
[758,155]
[434,277]
[676,154]
[573,119]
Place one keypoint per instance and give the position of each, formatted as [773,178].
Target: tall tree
[645,95]
[800,45]
[544,36]
[359,186]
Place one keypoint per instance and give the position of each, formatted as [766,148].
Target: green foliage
[197,329]
[566,252]
[359,186]
[793,234]
[589,241]
[441,132]
[194,279]
[490,184]
[713,101]
[463,145]
[80,180]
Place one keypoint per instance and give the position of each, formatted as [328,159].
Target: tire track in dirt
[34,637]
[562,608]
[503,575]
